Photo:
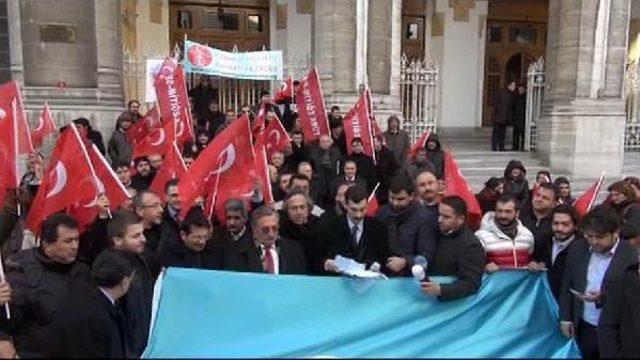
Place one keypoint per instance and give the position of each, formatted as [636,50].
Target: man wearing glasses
[148,206]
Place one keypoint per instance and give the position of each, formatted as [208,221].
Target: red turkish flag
[262,173]
[372,203]
[9,91]
[44,127]
[274,138]
[584,203]
[149,122]
[258,126]
[69,179]
[10,178]
[285,93]
[228,156]
[456,184]
[108,184]
[159,141]
[357,124]
[312,112]
[172,168]
[420,144]
[173,101]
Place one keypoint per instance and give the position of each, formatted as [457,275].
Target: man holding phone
[591,264]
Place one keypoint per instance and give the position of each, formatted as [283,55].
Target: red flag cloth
[262,173]
[9,91]
[149,122]
[421,143]
[312,113]
[10,179]
[357,124]
[159,141]
[377,133]
[584,203]
[108,184]
[285,93]
[456,184]
[230,156]
[44,127]
[274,138]
[69,179]
[172,168]
[372,203]
[173,101]
[258,126]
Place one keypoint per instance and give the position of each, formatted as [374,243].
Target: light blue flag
[223,314]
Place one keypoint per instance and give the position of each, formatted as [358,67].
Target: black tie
[354,236]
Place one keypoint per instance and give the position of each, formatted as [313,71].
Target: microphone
[419,269]
[375,267]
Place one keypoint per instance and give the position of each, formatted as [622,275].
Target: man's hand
[5,292]
[567,329]
[590,296]
[7,351]
[535,266]
[431,288]
[103,206]
[491,267]
[330,265]
[396,264]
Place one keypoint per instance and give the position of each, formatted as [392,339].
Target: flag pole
[2,280]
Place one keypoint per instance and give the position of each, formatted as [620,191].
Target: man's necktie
[354,236]
[268,260]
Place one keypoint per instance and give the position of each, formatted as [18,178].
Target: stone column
[582,127]
[379,46]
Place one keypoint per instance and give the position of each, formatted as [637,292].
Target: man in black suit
[232,242]
[459,254]
[552,252]
[193,249]
[619,328]
[270,253]
[591,264]
[354,235]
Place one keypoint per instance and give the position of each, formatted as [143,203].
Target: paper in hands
[350,267]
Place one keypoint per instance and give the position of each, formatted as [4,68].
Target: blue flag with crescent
[238,315]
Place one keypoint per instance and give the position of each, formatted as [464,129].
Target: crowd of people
[88,292]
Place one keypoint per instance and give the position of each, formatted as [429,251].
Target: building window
[255,23]
[220,20]
[185,19]
[523,35]
[495,34]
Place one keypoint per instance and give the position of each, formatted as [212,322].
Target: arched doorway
[516,67]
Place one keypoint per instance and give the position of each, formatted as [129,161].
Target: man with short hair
[409,230]
[41,278]
[296,223]
[538,218]
[148,206]
[459,254]
[364,163]
[300,182]
[126,233]
[507,243]
[420,163]
[318,186]
[552,252]
[156,161]
[299,151]
[193,249]
[269,252]
[428,191]
[123,173]
[591,265]
[144,176]
[89,324]
[386,168]
[133,106]
[325,158]
[232,242]
[354,235]
[119,147]
[397,139]
[170,225]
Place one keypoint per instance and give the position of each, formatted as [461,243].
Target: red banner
[285,93]
[456,184]
[311,110]
[173,101]
[10,178]
[358,125]
[45,126]
[9,91]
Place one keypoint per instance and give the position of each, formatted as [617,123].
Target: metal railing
[535,96]
[632,104]
[419,96]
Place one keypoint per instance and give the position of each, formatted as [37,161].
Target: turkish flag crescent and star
[149,122]
[10,179]
[108,184]
[69,179]
[228,158]
[285,93]
[46,126]
[456,184]
[9,91]
[420,144]
[159,141]
[584,203]
[173,101]
[357,124]
[274,138]
[312,113]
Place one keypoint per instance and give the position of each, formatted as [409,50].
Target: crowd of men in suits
[89,293]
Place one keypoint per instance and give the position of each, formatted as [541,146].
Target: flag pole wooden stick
[3,279]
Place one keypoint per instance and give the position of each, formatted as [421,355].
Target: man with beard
[144,176]
[538,218]
[148,207]
[507,243]
[552,252]
[409,229]
[428,188]
[296,223]
[232,242]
